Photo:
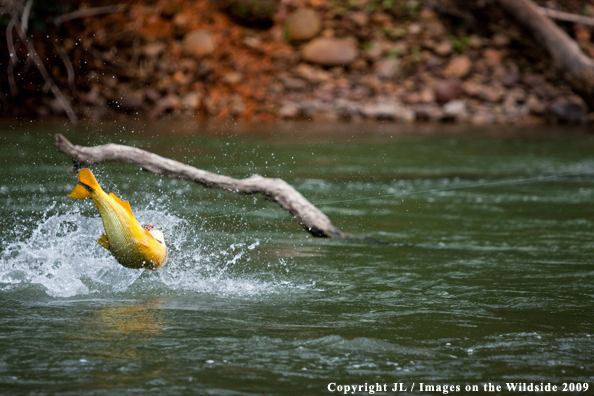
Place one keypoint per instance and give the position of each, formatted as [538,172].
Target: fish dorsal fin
[103,241]
[125,204]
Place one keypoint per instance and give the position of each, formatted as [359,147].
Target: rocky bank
[319,60]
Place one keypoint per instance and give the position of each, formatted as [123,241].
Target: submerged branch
[277,190]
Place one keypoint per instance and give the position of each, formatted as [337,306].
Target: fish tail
[87,182]
[86,177]
[79,192]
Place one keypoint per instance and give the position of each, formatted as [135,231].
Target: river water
[475,264]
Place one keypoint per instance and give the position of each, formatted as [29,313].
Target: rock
[180,24]
[293,84]
[232,78]
[386,69]
[129,100]
[458,67]
[249,12]
[153,50]
[191,100]
[488,93]
[447,90]
[360,18]
[312,74]
[165,104]
[198,43]
[492,56]
[387,111]
[237,105]
[455,109]
[443,48]
[288,110]
[511,79]
[171,8]
[212,105]
[330,51]
[428,112]
[415,28]
[501,40]
[582,35]
[303,24]
[374,50]
[535,105]
[568,112]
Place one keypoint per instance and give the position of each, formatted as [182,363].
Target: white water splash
[62,255]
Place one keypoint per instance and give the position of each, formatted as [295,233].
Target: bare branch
[277,190]
[568,58]
[66,61]
[25,16]
[87,12]
[566,16]
[42,70]
[13,56]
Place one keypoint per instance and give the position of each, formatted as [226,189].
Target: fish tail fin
[79,192]
[86,177]
[87,182]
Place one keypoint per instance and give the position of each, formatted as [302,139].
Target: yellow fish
[132,245]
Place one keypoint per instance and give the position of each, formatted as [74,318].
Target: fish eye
[148,227]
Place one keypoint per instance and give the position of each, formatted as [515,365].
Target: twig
[566,16]
[310,217]
[13,56]
[87,12]
[48,79]
[25,16]
[66,61]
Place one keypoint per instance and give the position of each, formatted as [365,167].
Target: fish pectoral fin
[103,241]
[79,192]
[142,243]
[124,204]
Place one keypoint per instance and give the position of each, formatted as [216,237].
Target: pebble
[129,99]
[387,111]
[165,104]
[330,51]
[458,67]
[360,18]
[288,110]
[232,78]
[443,48]
[386,69]
[455,109]
[492,56]
[312,73]
[191,100]
[237,105]
[303,24]
[447,90]
[153,50]
[198,43]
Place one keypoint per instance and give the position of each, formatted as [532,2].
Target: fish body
[131,244]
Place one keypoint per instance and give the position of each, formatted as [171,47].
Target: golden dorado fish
[132,245]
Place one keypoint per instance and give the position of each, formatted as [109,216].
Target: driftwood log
[568,58]
[277,190]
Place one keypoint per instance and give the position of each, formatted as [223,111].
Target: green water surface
[477,267]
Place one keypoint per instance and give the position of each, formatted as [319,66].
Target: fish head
[158,235]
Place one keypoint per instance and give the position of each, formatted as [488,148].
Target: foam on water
[62,255]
